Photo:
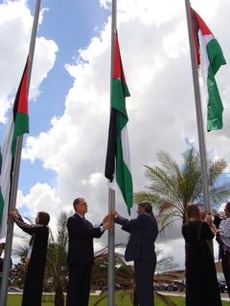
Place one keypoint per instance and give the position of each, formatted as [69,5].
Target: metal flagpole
[111,195]
[33,39]
[111,255]
[15,174]
[200,126]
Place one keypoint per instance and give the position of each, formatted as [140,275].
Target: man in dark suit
[140,248]
[80,255]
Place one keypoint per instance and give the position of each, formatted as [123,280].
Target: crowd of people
[198,230]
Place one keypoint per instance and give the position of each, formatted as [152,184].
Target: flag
[17,125]
[117,166]
[210,58]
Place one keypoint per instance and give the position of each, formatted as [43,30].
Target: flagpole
[33,39]
[200,126]
[111,255]
[111,195]
[16,167]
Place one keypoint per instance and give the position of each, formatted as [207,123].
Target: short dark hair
[44,218]
[147,206]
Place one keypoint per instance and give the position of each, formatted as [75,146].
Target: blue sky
[71,27]
[63,156]
[70,34]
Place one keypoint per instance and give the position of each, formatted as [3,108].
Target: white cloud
[155,51]
[156,58]
[44,61]
[15,34]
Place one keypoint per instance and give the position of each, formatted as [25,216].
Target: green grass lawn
[121,299]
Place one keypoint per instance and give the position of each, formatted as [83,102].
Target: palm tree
[56,268]
[124,277]
[172,187]
[123,272]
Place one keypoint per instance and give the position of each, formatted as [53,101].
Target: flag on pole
[17,125]
[210,58]
[117,167]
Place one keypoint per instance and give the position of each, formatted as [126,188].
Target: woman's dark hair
[193,211]
[44,218]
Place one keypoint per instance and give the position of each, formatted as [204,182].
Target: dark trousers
[225,261]
[32,292]
[144,272]
[79,284]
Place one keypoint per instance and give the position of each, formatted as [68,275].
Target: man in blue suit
[80,255]
[141,249]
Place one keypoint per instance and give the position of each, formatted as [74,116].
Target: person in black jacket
[200,271]
[141,248]
[80,255]
[36,259]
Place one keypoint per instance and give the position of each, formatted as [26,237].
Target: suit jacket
[143,233]
[81,233]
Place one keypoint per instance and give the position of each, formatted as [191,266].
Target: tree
[124,277]
[172,187]
[56,268]
[124,274]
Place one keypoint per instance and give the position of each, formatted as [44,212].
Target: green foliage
[172,186]
[124,274]
[56,269]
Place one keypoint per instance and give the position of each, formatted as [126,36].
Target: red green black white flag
[117,167]
[18,124]
[210,58]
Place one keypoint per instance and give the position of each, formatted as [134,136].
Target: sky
[63,156]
